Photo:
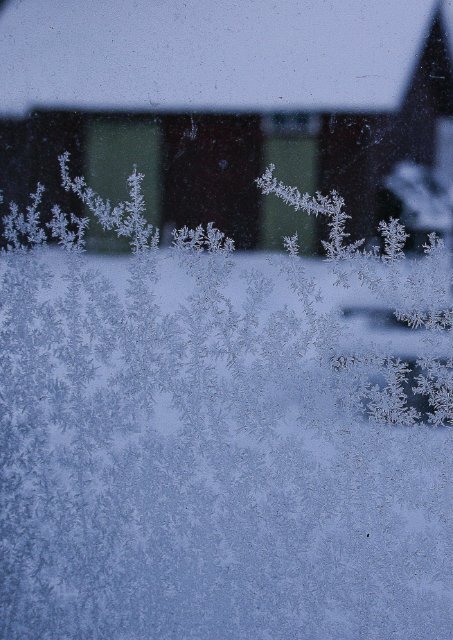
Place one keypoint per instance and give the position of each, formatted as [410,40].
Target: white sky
[202,54]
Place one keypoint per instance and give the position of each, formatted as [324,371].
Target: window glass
[296,157]
[113,147]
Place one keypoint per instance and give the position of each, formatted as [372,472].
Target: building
[202,97]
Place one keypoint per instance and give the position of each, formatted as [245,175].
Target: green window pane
[296,161]
[112,150]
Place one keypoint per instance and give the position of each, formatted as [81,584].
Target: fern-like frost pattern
[220,467]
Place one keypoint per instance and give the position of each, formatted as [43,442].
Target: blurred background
[351,95]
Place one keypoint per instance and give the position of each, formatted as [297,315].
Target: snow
[240,501]
[426,195]
[257,55]
[367,317]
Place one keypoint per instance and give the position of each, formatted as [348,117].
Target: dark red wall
[51,133]
[210,163]
[352,162]
[29,154]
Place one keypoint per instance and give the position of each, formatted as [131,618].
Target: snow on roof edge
[194,109]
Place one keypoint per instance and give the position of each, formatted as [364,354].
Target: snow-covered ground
[367,317]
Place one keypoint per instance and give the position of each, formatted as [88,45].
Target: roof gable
[256,55]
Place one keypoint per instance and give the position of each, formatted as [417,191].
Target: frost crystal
[205,451]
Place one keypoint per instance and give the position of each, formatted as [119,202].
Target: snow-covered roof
[193,55]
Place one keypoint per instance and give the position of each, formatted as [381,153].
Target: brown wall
[15,160]
[50,134]
[29,154]
[209,166]
[353,161]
